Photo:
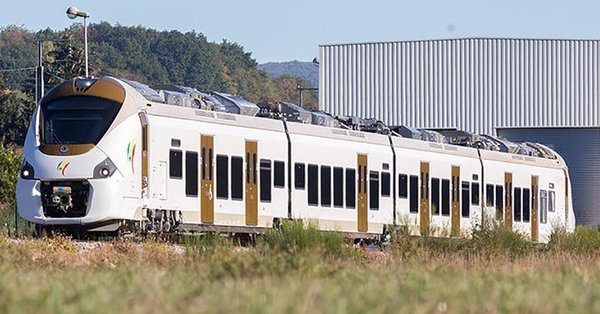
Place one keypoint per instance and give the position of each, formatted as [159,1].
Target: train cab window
[551,201]
[191,173]
[299,176]
[313,185]
[489,195]
[237,181]
[338,187]
[474,193]
[175,164]
[374,190]
[435,196]
[385,184]
[278,174]
[465,200]
[325,186]
[350,188]
[222,176]
[526,205]
[265,180]
[445,197]
[517,204]
[402,186]
[414,194]
[543,206]
[499,202]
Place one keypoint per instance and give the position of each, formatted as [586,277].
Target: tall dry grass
[297,269]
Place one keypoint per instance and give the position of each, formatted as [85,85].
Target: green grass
[297,269]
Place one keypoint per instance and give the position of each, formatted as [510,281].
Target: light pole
[74,13]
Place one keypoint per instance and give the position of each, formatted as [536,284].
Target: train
[105,155]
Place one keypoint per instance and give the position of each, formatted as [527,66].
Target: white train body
[160,167]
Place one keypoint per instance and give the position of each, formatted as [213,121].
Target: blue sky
[279,30]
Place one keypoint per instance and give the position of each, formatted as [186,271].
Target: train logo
[62,166]
[131,154]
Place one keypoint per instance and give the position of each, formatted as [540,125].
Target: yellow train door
[508,178]
[455,220]
[534,209]
[362,217]
[251,183]
[424,208]
[207,180]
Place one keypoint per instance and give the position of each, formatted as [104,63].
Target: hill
[304,70]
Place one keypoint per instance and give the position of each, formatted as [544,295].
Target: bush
[493,239]
[10,165]
[583,240]
[294,237]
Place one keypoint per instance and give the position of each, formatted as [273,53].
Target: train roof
[225,107]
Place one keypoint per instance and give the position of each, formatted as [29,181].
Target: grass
[297,269]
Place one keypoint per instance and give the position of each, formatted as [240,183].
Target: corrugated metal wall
[580,147]
[469,84]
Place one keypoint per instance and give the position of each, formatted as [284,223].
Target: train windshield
[77,119]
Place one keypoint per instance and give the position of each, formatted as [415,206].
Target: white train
[100,156]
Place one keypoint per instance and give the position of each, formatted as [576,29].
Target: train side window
[175,164]
[338,187]
[489,195]
[543,206]
[385,184]
[517,204]
[465,201]
[265,180]
[247,166]
[499,202]
[191,173]
[237,178]
[551,201]
[210,164]
[374,190]
[402,186]
[474,193]
[313,185]
[278,174]
[435,196]
[350,188]
[364,181]
[254,168]
[359,179]
[526,205]
[325,186]
[299,176]
[445,197]
[414,194]
[222,176]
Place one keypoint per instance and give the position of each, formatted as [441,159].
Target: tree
[67,60]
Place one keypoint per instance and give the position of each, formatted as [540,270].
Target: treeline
[157,58]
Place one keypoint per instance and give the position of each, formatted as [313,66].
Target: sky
[280,30]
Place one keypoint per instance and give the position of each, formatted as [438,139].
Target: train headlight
[27,171]
[104,172]
[104,169]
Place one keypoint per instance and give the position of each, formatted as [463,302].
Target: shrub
[583,240]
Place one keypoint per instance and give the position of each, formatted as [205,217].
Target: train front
[79,167]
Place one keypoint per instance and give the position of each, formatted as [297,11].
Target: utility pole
[39,75]
[300,90]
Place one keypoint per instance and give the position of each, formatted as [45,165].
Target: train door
[144,174]
[508,190]
[455,220]
[534,208]
[207,180]
[424,208]
[362,217]
[251,183]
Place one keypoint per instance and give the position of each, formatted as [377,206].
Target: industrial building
[539,90]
